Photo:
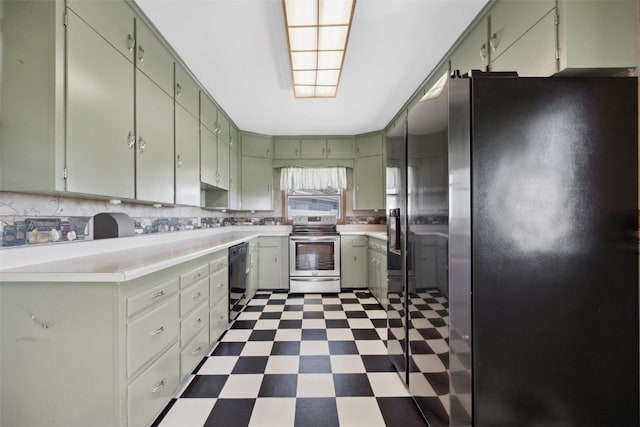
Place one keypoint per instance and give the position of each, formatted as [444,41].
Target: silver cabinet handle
[222,317]
[328,151]
[197,322]
[493,42]
[275,258]
[131,42]
[355,258]
[158,331]
[197,351]
[216,129]
[198,295]
[231,182]
[179,161]
[178,89]
[358,150]
[220,285]
[197,276]
[268,151]
[140,53]
[483,52]
[160,386]
[268,188]
[157,295]
[131,139]
[323,150]
[141,145]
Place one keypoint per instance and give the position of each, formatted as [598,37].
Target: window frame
[285,206]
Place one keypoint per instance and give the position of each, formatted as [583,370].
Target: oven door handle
[314,279]
[315,239]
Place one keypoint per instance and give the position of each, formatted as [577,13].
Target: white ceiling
[237,49]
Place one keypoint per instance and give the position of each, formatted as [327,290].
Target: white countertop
[124,259]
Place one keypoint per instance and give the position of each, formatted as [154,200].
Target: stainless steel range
[314,252]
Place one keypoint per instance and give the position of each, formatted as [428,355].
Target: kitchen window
[313,191]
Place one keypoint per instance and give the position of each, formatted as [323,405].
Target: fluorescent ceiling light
[318,32]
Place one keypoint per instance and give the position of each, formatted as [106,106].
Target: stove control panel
[315,220]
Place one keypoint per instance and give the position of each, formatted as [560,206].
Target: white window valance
[313,178]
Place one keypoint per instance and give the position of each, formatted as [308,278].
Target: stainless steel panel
[460,253]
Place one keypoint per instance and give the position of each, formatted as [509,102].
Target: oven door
[312,256]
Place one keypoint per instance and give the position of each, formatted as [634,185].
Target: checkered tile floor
[298,360]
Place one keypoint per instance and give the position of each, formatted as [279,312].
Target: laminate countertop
[125,259]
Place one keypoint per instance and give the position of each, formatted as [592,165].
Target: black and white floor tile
[298,360]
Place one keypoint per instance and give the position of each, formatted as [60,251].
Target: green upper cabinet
[153,58]
[113,20]
[257,145]
[598,34]
[257,183]
[313,148]
[340,148]
[223,164]
[186,91]
[154,144]
[369,145]
[32,96]
[473,52]
[187,160]
[234,180]
[510,20]
[208,113]
[100,129]
[223,128]
[208,157]
[368,182]
[286,148]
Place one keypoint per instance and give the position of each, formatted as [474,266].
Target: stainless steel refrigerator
[538,321]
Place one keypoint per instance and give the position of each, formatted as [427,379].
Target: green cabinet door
[187,161]
[186,91]
[208,113]
[152,58]
[286,148]
[223,164]
[368,183]
[354,261]
[313,148]
[473,52]
[270,263]
[369,145]
[113,20]
[257,146]
[257,184]
[223,128]
[234,139]
[100,128]
[208,157]
[534,54]
[340,148]
[234,180]
[510,20]
[154,144]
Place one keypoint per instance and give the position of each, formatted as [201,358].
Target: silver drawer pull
[157,331]
[157,295]
[197,322]
[197,275]
[198,295]
[197,351]
[221,285]
[222,318]
[159,386]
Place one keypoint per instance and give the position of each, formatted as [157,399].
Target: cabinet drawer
[193,323]
[194,295]
[219,287]
[193,353]
[218,263]
[150,392]
[269,242]
[218,321]
[151,297]
[149,334]
[360,241]
[193,276]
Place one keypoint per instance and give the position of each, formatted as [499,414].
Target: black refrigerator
[540,308]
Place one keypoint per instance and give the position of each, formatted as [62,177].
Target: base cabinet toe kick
[110,353]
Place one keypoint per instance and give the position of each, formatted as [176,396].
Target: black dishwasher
[237,279]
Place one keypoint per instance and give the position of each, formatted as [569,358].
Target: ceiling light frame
[312,52]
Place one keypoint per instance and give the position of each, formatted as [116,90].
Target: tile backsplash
[34,219]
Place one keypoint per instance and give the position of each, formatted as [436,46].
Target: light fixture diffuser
[318,32]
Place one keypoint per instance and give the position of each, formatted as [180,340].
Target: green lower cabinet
[187,161]
[353,261]
[273,263]
[154,142]
[100,127]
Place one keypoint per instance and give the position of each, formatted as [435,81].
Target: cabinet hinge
[557,53]
[556,19]
[65,19]
[65,173]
